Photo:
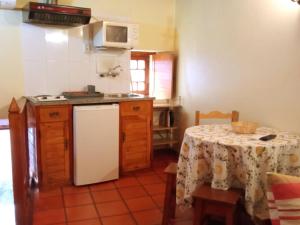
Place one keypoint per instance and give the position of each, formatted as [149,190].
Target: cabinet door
[55,153]
[136,142]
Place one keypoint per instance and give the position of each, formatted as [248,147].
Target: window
[139,67]
[152,74]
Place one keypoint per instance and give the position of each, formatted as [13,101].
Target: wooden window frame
[146,57]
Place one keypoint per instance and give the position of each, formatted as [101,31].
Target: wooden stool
[209,201]
[170,194]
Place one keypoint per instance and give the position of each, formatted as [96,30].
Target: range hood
[45,13]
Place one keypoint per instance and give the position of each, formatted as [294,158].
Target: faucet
[112,72]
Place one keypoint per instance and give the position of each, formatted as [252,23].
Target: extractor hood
[54,14]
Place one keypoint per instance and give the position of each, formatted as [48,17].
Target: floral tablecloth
[213,153]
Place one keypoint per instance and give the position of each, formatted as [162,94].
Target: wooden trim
[146,57]
[141,54]
[20,161]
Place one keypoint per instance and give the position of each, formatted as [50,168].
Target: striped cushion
[286,193]
[273,211]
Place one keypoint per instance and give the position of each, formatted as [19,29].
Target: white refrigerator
[96,143]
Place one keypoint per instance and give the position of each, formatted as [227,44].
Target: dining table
[215,154]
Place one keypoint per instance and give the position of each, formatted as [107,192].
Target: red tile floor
[134,199]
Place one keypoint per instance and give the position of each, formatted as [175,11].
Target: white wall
[11,70]
[156,19]
[242,55]
[55,60]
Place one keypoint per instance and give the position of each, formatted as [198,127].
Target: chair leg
[173,204]
[170,199]
[198,212]
[230,216]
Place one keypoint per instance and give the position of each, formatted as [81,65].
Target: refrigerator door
[96,143]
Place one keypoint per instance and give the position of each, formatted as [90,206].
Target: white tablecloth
[213,153]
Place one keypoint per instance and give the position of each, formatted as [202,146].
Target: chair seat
[205,192]
[171,169]
[209,201]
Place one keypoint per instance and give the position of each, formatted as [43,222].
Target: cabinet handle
[136,108]
[54,114]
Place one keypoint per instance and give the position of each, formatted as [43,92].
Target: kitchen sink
[121,95]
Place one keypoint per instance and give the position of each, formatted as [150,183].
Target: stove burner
[45,98]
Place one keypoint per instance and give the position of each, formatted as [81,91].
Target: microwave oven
[115,35]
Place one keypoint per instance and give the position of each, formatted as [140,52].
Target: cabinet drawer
[136,108]
[54,114]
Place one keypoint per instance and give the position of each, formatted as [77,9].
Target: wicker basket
[244,127]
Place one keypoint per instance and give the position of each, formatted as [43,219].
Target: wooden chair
[209,201]
[233,116]
[170,194]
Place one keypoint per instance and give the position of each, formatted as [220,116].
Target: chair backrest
[233,116]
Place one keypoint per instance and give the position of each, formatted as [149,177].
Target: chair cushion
[285,191]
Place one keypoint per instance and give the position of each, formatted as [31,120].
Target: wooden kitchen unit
[50,140]
[52,143]
[135,135]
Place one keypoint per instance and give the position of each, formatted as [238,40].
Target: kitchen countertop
[89,100]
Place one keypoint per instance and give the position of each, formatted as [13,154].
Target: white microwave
[115,35]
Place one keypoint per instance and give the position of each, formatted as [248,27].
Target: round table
[215,154]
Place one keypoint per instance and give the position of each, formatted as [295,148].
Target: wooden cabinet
[135,135]
[53,145]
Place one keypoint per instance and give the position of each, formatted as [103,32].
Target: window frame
[146,57]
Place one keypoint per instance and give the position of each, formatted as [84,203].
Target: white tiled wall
[55,60]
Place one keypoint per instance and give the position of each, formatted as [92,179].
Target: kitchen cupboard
[53,145]
[135,135]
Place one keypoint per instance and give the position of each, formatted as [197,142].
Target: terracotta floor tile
[144,172]
[186,214]
[159,169]
[77,199]
[127,182]
[162,176]
[159,200]
[184,222]
[118,220]
[48,193]
[148,217]
[138,204]
[81,213]
[112,208]
[86,222]
[53,202]
[162,164]
[133,192]
[51,216]
[106,196]
[155,189]
[103,186]
[152,179]
[75,190]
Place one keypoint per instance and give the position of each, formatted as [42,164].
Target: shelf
[166,141]
[164,128]
[164,106]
